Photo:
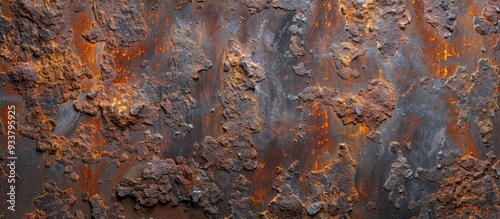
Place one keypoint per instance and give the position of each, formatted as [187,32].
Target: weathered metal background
[251,108]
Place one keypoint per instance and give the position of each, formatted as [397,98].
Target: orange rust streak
[260,194]
[123,61]
[5,9]
[261,191]
[461,139]
[81,24]
[356,137]
[89,180]
[322,139]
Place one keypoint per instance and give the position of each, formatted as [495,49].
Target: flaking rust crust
[332,192]
[477,94]
[176,99]
[119,23]
[246,109]
[400,171]
[57,203]
[467,186]
[442,15]
[301,70]
[371,107]
[100,210]
[383,21]
[82,147]
[165,181]
[53,203]
[488,22]
[343,54]
[234,150]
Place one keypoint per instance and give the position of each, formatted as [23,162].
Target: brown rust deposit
[270,109]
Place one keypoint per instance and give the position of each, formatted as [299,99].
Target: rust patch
[400,171]
[343,54]
[332,191]
[165,181]
[235,150]
[301,70]
[53,203]
[151,143]
[463,182]
[100,210]
[295,47]
[442,15]
[370,107]
[488,23]
[176,99]
[119,23]
[241,204]
[100,82]
[82,147]
[477,93]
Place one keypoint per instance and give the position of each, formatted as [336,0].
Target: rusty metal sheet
[249,109]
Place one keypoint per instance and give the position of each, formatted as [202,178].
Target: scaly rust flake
[235,149]
[442,15]
[370,107]
[381,20]
[343,54]
[477,93]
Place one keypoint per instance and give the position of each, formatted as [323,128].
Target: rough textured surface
[176,100]
[423,203]
[300,70]
[236,109]
[119,23]
[82,147]
[343,54]
[53,203]
[285,204]
[383,20]
[332,192]
[332,188]
[369,107]
[164,181]
[234,150]
[477,94]
[488,22]
[442,15]
[467,186]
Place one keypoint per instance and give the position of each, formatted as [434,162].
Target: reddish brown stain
[170,45]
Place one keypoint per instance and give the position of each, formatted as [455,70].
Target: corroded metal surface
[250,108]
